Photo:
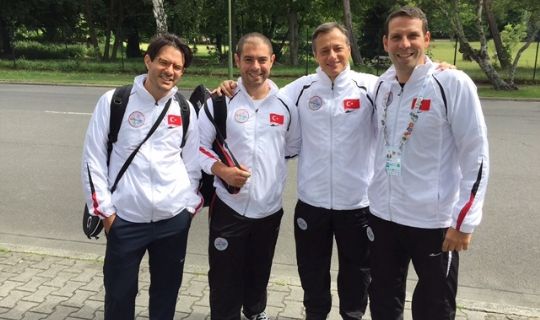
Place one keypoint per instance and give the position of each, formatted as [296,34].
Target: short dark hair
[326,28]
[245,38]
[409,12]
[169,39]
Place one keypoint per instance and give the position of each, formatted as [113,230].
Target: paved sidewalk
[44,286]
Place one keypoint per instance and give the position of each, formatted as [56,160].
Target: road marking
[68,112]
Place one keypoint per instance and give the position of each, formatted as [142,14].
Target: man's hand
[456,240]
[445,65]
[233,176]
[225,88]
[107,222]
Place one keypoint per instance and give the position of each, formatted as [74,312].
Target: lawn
[205,69]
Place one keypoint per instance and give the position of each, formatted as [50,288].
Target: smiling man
[334,169]
[430,176]
[261,131]
[152,205]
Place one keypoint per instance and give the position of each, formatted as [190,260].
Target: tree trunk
[160,16]
[133,44]
[5,38]
[528,41]
[355,51]
[116,44]
[502,54]
[91,29]
[292,17]
[479,55]
[111,16]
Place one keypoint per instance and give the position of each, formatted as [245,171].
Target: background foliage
[112,30]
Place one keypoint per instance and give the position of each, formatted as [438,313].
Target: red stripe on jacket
[469,203]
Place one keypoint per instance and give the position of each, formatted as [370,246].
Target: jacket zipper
[150,148]
[331,110]
[253,155]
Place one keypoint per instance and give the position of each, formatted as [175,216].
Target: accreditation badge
[393,161]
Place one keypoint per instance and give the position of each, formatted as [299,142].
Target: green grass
[206,70]
[443,50]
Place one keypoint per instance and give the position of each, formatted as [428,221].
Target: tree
[160,16]
[294,38]
[355,51]
[89,9]
[502,54]
[451,9]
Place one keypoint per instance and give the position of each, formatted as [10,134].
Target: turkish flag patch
[174,120]
[351,104]
[276,119]
[424,106]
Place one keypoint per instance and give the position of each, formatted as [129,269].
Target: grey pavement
[37,283]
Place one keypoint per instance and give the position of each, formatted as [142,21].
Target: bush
[33,50]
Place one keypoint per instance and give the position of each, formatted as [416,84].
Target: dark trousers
[392,249]
[240,252]
[127,243]
[314,231]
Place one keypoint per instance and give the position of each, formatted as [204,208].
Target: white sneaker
[260,316]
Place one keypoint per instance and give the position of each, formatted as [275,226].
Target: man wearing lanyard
[430,175]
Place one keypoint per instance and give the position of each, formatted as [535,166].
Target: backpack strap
[184,112]
[220,115]
[119,102]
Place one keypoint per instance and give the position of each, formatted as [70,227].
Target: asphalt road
[41,134]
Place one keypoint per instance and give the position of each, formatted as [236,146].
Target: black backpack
[92,225]
[198,99]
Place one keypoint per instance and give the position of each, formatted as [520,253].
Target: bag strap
[118,105]
[184,112]
[219,120]
[132,155]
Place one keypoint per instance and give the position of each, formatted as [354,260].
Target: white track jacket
[260,137]
[162,180]
[337,123]
[444,164]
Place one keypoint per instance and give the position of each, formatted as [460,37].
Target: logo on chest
[276,119]
[241,115]
[315,103]
[174,120]
[136,119]
[351,104]
[425,104]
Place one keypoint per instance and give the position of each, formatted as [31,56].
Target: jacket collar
[418,72]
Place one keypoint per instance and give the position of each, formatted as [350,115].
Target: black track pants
[314,231]
[240,253]
[392,249]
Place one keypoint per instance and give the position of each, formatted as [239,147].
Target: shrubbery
[36,50]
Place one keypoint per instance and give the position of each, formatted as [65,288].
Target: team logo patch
[241,115]
[174,120]
[276,119]
[302,224]
[351,104]
[370,234]
[424,105]
[315,103]
[136,119]
[221,244]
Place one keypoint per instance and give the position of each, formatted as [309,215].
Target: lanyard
[413,115]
